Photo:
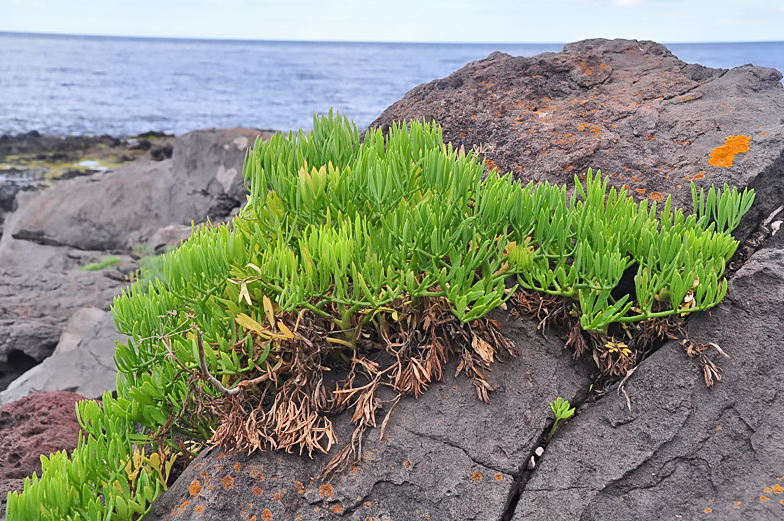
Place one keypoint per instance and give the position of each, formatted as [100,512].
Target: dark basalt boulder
[445,455]
[683,450]
[630,108]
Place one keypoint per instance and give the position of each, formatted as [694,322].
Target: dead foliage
[286,403]
[710,370]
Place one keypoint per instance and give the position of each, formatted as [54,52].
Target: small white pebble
[774,227]
[539,451]
[531,464]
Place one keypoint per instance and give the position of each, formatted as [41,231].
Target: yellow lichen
[723,155]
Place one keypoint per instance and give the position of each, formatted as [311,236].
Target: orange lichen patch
[204,476]
[473,117]
[718,427]
[276,496]
[195,487]
[764,498]
[656,196]
[336,509]
[477,476]
[237,467]
[183,506]
[252,518]
[299,486]
[407,464]
[199,509]
[767,490]
[266,515]
[491,165]
[368,504]
[736,504]
[640,191]
[228,482]
[499,477]
[636,179]
[651,138]
[723,155]
[697,176]
[326,490]
[257,491]
[708,510]
[462,134]
[778,489]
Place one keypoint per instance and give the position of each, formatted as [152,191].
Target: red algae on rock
[723,155]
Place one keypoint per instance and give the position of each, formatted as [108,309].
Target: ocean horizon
[117,85]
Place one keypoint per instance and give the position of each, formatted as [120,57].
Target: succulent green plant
[562,411]
[107,475]
[345,248]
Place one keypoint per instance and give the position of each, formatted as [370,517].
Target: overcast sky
[512,21]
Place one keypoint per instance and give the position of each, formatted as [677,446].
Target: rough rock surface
[87,369]
[83,320]
[683,450]
[40,288]
[446,455]
[39,424]
[629,108]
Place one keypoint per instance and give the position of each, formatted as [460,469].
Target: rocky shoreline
[656,446]
[33,161]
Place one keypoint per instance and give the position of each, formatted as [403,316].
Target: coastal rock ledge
[630,108]
[666,447]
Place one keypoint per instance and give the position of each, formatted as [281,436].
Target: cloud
[627,3]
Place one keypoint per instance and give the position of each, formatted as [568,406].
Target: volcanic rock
[114,210]
[677,449]
[43,423]
[648,120]
[446,455]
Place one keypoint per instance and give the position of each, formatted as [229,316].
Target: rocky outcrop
[678,449]
[53,233]
[40,424]
[120,208]
[446,455]
[632,109]
[664,445]
[86,368]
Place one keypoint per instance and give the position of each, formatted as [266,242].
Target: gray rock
[88,369]
[113,210]
[54,232]
[40,288]
[683,449]
[627,107]
[80,323]
[446,455]
[104,211]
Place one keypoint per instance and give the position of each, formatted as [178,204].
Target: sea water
[88,85]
